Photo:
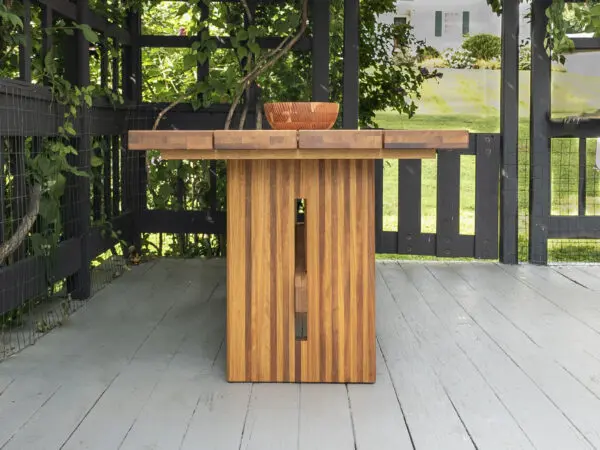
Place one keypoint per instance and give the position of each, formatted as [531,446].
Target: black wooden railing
[447,241]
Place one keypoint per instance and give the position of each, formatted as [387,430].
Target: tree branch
[259,69]
[8,247]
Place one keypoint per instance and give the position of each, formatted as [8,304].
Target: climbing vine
[564,18]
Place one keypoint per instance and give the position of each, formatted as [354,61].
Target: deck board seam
[542,391]
[24,424]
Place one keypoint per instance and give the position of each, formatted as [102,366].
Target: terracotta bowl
[301,115]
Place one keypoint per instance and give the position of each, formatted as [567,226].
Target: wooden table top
[303,144]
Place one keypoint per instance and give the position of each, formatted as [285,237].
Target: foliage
[483,46]
[525,55]
[564,18]
[383,84]
[459,58]
[427,52]
[487,64]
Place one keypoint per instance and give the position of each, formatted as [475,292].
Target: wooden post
[351,64]
[77,193]
[539,195]
[509,128]
[320,50]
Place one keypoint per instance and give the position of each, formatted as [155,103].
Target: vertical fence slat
[539,200]
[582,197]
[116,180]
[448,203]
[2,189]
[320,53]
[351,64]
[409,207]
[509,128]
[77,194]
[25,48]
[106,178]
[487,175]
[379,206]
[19,193]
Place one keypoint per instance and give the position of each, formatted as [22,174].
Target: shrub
[435,63]
[483,46]
[525,57]
[428,52]
[493,64]
[459,59]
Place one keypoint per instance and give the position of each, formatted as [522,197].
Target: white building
[443,24]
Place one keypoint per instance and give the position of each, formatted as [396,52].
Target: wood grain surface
[255,139]
[170,140]
[335,153]
[416,139]
[346,139]
[262,268]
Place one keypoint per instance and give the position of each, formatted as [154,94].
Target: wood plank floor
[469,356]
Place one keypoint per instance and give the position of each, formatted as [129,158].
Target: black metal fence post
[539,199]
[509,129]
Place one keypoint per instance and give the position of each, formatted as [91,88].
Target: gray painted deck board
[469,354]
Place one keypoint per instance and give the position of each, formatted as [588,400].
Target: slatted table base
[301,291]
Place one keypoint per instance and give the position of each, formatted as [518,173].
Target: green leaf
[96,161]
[242,52]
[89,34]
[252,32]
[15,20]
[59,186]
[38,242]
[242,35]
[254,48]
[189,61]
[49,209]
[202,57]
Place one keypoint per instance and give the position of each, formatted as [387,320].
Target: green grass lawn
[565,178]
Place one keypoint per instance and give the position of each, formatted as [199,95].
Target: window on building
[466,22]
[399,21]
[438,23]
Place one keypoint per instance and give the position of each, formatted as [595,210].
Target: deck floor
[469,356]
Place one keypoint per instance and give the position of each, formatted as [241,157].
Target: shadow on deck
[469,356]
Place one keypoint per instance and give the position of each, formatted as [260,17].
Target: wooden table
[300,285]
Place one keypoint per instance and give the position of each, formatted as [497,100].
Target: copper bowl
[301,115]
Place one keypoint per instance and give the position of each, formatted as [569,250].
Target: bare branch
[247,8]
[259,69]
[245,110]
[8,247]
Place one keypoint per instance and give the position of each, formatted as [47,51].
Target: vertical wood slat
[486,196]
[448,203]
[25,49]
[509,128]
[107,175]
[116,179]
[539,198]
[320,10]
[582,197]
[340,343]
[351,64]
[2,189]
[19,197]
[379,206]
[409,207]
[77,193]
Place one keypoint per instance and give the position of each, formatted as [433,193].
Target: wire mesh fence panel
[59,213]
